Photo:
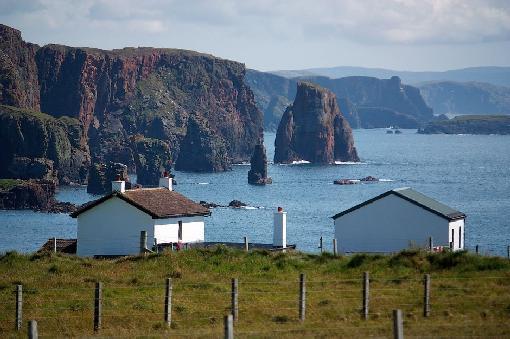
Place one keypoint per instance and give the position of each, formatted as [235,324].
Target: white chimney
[165,181]
[280,229]
[119,186]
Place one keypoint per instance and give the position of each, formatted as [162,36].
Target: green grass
[470,294]
[7,184]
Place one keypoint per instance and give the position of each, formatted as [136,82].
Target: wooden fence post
[54,245]
[320,243]
[19,307]
[366,291]
[32,330]
[334,248]
[508,252]
[234,302]
[143,242]
[229,326]
[156,250]
[476,249]
[168,302]
[431,244]
[302,297]
[98,305]
[246,246]
[426,295]
[398,325]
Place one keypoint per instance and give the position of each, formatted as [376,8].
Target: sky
[282,34]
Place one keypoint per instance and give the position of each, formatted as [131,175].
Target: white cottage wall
[166,230]
[389,224]
[456,227]
[113,228]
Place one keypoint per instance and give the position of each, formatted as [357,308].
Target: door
[179,232]
[453,239]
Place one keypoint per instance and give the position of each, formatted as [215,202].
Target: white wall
[389,225]
[455,226]
[113,228]
[166,230]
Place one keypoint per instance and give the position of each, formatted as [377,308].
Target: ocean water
[468,172]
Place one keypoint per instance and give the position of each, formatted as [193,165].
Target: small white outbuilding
[396,220]
[111,225]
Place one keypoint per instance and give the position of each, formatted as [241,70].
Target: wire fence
[459,306]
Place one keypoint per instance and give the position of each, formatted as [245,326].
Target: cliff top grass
[16,111]
[7,184]
[469,293]
[466,118]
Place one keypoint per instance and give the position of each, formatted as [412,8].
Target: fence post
[168,302]
[302,297]
[19,306]
[476,249]
[32,329]
[98,305]
[320,243]
[143,242]
[366,291]
[54,245]
[431,244]
[426,295]
[156,250]
[508,252]
[235,305]
[246,246]
[334,248]
[229,326]
[398,326]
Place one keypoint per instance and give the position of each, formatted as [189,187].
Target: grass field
[470,295]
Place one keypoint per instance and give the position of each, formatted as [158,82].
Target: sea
[470,173]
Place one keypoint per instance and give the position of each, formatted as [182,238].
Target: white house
[112,224]
[396,220]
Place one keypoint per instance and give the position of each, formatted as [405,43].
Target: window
[179,232]
[460,236]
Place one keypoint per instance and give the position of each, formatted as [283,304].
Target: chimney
[118,185]
[280,228]
[165,181]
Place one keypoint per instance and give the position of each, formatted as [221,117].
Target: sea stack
[314,129]
[258,172]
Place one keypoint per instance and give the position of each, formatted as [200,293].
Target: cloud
[364,22]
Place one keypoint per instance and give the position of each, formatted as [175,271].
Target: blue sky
[284,34]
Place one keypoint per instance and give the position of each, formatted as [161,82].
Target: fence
[363,306]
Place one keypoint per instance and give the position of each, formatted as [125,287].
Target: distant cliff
[470,124]
[366,102]
[448,97]
[122,97]
[313,129]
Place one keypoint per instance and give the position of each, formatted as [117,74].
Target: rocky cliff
[314,129]
[470,124]
[141,93]
[257,175]
[365,102]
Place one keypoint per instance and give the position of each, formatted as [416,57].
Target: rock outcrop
[257,175]
[470,124]
[36,145]
[38,195]
[168,96]
[366,102]
[101,177]
[313,129]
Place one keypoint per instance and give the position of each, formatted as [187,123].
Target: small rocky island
[469,124]
[258,172]
[314,129]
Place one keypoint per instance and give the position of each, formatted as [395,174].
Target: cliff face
[18,70]
[314,129]
[470,124]
[365,102]
[257,175]
[137,93]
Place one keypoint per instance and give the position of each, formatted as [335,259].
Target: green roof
[416,198]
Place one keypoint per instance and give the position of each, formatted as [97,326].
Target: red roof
[159,203]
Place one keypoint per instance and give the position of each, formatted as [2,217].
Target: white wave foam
[349,163]
[300,162]
[386,180]
[202,183]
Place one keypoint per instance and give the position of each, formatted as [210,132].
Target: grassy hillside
[470,294]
